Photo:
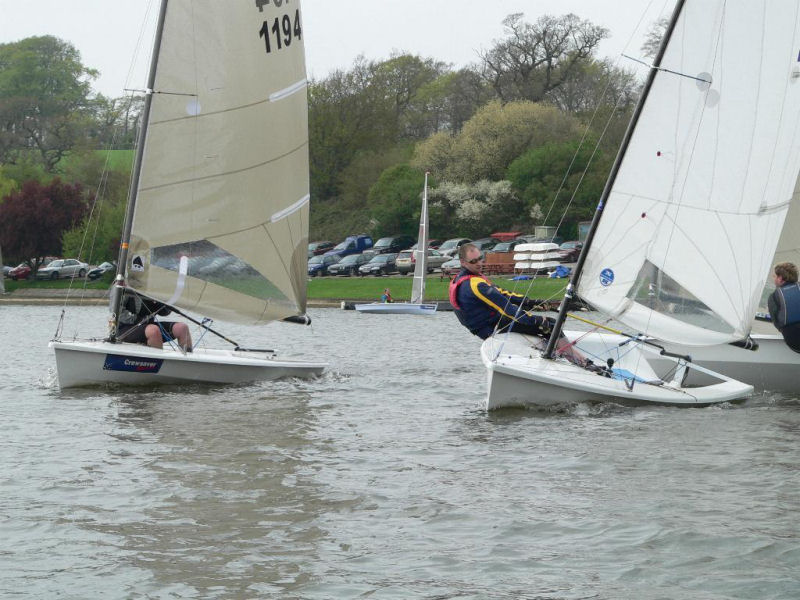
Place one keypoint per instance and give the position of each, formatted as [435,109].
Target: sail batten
[225,175]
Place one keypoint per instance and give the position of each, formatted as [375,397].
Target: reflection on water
[383,479]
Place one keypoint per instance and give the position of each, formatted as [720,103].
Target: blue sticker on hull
[135,364]
[606,277]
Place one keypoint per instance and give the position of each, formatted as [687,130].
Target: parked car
[485,244]
[101,270]
[63,267]
[348,265]
[451,267]
[451,246]
[318,265]
[406,261]
[570,251]
[433,244]
[506,246]
[352,244]
[315,248]
[21,271]
[6,270]
[394,244]
[380,264]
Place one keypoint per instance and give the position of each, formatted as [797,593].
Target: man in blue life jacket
[483,308]
[784,304]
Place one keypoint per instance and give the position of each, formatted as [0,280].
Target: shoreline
[52,297]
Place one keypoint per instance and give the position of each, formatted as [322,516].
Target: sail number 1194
[280,32]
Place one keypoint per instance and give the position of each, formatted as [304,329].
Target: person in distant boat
[137,323]
[387,296]
[784,304]
[483,308]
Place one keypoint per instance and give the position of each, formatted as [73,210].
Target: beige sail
[221,219]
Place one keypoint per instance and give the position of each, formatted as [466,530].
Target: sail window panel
[640,318]
[199,57]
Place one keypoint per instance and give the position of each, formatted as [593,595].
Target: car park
[353,244]
[21,271]
[406,261]
[100,270]
[348,265]
[451,246]
[380,264]
[315,248]
[393,244]
[63,267]
[318,265]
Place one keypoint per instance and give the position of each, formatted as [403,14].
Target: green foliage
[44,91]
[96,238]
[395,200]
[491,139]
[561,179]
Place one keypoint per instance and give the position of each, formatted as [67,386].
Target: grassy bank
[346,288]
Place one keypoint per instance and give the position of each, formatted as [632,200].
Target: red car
[21,271]
[570,251]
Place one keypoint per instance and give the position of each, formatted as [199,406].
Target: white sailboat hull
[397,308]
[87,363]
[774,366]
[517,376]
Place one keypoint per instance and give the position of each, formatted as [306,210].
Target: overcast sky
[107,32]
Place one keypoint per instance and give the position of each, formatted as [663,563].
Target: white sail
[221,219]
[696,210]
[421,252]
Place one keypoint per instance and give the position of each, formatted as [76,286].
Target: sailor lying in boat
[137,323]
[483,308]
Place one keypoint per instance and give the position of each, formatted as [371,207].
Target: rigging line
[665,70]
[143,91]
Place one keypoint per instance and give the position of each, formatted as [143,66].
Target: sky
[108,32]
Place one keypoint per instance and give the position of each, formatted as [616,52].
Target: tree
[655,34]
[44,94]
[562,182]
[535,59]
[394,201]
[474,209]
[33,219]
[491,139]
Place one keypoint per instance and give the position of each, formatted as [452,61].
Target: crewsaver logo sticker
[606,277]
[135,364]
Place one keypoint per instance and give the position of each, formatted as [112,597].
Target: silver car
[406,263]
[62,267]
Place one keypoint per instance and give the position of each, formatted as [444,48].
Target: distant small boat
[417,306]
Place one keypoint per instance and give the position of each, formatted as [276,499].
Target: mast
[122,259]
[569,294]
[421,264]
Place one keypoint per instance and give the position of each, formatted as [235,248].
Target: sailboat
[217,216]
[686,227]
[417,305]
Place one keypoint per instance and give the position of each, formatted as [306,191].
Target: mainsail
[692,221]
[221,217]
[421,252]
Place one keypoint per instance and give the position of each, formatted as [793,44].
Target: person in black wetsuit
[137,323]
[784,304]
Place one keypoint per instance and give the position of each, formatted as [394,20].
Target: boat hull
[397,308]
[88,363]
[773,367]
[517,376]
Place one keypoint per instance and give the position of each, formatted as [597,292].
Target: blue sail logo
[606,277]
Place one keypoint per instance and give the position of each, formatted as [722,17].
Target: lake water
[383,479]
